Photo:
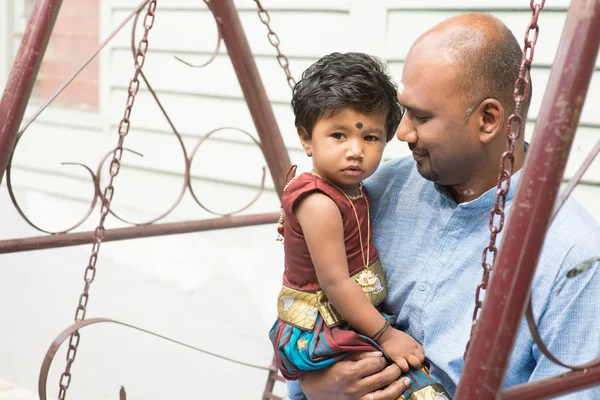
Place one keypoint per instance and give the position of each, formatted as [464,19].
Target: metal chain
[115,165]
[274,40]
[513,132]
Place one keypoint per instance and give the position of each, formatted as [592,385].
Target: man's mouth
[418,152]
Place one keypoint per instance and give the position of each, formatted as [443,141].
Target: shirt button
[422,286]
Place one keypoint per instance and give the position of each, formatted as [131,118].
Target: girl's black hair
[339,81]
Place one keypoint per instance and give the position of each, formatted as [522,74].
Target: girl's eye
[337,135]
[371,138]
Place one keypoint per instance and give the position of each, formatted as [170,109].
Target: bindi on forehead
[359,125]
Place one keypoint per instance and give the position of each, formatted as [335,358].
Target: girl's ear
[305,140]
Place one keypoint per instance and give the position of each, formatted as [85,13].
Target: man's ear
[490,117]
[305,140]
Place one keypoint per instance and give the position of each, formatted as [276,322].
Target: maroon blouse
[299,271]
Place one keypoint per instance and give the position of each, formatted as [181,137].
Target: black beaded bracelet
[381,331]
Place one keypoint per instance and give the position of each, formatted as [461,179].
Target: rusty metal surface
[564,195]
[23,74]
[514,129]
[243,62]
[550,388]
[274,151]
[283,61]
[215,53]
[81,68]
[537,338]
[533,204]
[95,177]
[136,232]
[107,196]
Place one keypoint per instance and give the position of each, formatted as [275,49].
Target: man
[430,218]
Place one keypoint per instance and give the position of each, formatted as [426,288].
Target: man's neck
[481,182]
[469,191]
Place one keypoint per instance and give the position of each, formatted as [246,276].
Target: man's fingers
[382,379]
[369,365]
[392,392]
[363,354]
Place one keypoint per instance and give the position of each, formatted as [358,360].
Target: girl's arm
[322,225]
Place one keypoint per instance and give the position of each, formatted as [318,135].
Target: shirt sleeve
[294,391]
[569,325]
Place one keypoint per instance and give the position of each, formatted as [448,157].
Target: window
[74,38]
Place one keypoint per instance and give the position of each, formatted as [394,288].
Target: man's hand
[355,378]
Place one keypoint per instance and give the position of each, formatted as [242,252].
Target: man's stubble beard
[427,171]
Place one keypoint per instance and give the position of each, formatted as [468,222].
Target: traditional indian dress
[309,334]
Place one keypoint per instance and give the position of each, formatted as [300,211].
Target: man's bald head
[484,50]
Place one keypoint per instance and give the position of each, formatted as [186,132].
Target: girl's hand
[405,351]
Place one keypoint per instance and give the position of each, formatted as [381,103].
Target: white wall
[170,284]
[199,100]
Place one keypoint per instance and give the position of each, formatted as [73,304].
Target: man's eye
[337,135]
[421,119]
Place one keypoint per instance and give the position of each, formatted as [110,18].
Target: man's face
[444,144]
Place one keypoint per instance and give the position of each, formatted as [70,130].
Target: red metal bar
[564,195]
[488,356]
[242,59]
[271,379]
[550,388]
[173,228]
[23,74]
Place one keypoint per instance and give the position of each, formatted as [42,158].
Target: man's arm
[570,323]
[354,378]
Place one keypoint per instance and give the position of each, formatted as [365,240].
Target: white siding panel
[195,116]
[589,114]
[405,26]
[167,74]
[243,5]
[195,30]
[471,5]
[140,196]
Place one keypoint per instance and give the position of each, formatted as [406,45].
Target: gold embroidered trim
[431,392]
[300,308]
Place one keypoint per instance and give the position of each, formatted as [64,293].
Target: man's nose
[406,131]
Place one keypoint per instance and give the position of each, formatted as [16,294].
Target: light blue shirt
[431,251]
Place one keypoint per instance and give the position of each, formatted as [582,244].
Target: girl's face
[346,147]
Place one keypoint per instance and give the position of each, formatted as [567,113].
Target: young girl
[346,110]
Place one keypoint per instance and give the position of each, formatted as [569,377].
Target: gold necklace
[360,195]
